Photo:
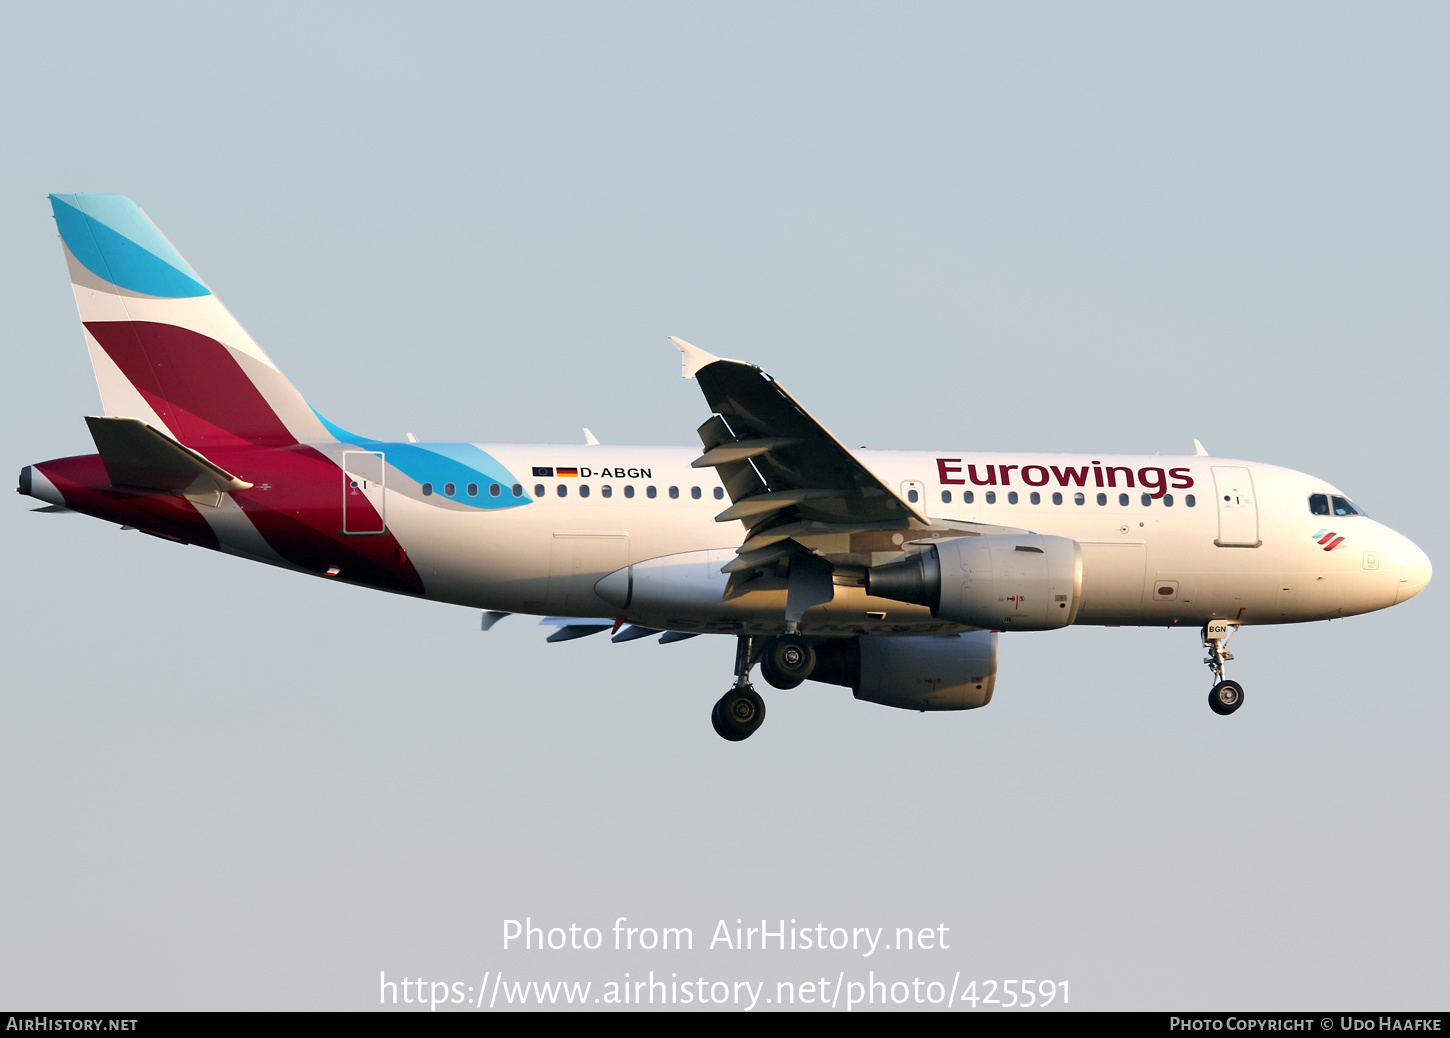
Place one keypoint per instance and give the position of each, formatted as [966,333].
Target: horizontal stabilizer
[137,455]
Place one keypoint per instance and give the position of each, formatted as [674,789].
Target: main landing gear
[785,661]
[1226,696]
[741,710]
[788,661]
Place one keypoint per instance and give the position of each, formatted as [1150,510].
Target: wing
[795,487]
[804,472]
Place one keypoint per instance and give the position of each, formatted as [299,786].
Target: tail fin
[164,349]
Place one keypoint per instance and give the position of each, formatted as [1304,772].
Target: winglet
[1198,449]
[692,357]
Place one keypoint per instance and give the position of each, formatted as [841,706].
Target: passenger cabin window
[1036,498]
[449,489]
[695,493]
[1188,500]
[472,490]
[1167,500]
[946,497]
[968,497]
[518,490]
[1057,499]
[629,491]
[719,493]
[494,490]
[674,493]
[1147,500]
[606,490]
[649,492]
[1102,499]
[1123,500]
[912,495]
[427,489]
[991,497]
[1079,498]
[538,490]
[583,489]
[1012,497]
[563,490]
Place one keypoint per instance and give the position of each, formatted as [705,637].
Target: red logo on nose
[1328,538]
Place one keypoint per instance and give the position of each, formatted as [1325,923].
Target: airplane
[892,573]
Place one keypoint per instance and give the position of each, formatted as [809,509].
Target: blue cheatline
[440,464]
[112,238]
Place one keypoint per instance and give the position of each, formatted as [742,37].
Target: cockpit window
[1344,506]
[1318,504]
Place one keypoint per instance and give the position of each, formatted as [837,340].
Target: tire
[790,658]
[738,714]
[1225,697]
[774,677]
[720,727]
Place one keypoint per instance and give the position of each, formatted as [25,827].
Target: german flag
[567,472]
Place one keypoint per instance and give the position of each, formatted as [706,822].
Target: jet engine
[913,672]
[1028,582]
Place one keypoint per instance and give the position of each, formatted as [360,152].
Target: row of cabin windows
[969,497]
[605,490]
[495,490]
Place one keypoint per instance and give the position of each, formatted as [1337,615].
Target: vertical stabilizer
[163,347]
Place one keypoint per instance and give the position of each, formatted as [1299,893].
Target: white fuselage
[1166,540]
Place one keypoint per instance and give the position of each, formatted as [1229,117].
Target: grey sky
[1095,227]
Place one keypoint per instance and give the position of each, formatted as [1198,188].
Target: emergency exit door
[1238,515]
[363,493]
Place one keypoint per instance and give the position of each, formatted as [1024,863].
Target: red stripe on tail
[194,383]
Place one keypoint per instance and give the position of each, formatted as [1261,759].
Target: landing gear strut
[741,710]
[1226,696]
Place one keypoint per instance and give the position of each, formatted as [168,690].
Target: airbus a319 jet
[891,573]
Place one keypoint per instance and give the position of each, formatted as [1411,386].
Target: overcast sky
[1108,227]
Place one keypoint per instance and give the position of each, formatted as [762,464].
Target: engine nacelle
[1027,582]
[913,672]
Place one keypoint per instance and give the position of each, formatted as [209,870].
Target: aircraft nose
[1412,567]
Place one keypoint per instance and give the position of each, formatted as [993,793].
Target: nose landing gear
[1226,696]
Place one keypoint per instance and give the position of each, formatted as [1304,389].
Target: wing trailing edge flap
[136,455]
[571,627]
[849,544]
[777,462]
